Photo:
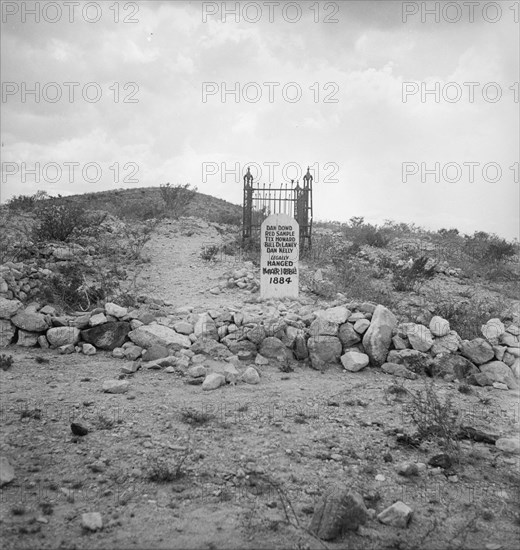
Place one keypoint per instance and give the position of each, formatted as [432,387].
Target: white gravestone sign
[280,242]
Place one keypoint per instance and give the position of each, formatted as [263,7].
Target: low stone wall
[351,335]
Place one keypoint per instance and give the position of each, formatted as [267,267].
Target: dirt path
[176,272]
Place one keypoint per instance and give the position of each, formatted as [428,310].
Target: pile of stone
[243,278]
[284,334]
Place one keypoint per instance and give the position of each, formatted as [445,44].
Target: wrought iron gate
[290,199]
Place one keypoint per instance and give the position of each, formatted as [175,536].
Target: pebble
[92,521]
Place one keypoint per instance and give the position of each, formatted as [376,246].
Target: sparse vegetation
[177,198]
[193,416]
[6,361]
[161,470]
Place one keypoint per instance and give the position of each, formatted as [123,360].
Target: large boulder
[323,327]
[8,308]
[324,351]
[420,337]
[448,343]
[273,348]
[497,371]
[493,330]
[210,347]
[205,327]
[439,327]
[477,350]
[60,336]
[7,332]
[348,336]
[146,336]
[413,360]
[335,315]
[337,511]
[354,361]
[27,339]
[378,337]
[107,336]
[452,365]
[31,322]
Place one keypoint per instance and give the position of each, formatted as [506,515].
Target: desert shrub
[409,277]
[177,198]
[161,470]
[26,203]
[435,418]
[466,317]
[69,288]
[226,217]
[362,233]
[58,222]
[209,252]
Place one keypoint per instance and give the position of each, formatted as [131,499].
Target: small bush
[435,418]
[160,470]
[210,252]
[177,198]
[191,416]
[57,222]
[411,276]
[6,361]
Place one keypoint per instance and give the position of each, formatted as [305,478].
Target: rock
[508,445]
[348,336]
[512,329]
[92,521]
[397,515]
[133,352]
[60,336]
[323,327]
[300,347]
[356,316]
[500,386]
[48,310]
[7,332]
[515,368]
[354,361]
[9,308]
[452,365]
[324,351]
[130,368]
[231,373]
[27,339]
[205,327]
[261,361]
[115,310]
[183,327]
[43,342]
[338,511]
[154,352]
[478,379]
[378,337]
[492,330]
[497,371]
[273,348]
[413,360]
[30,322]
[407,469]
[97,319]
[361,326]
[250,376]
[446,344]
[212,348]
[67,349]
[334,315]
[419,336]
[510,340]
[398,370]
[88,349]
[148,335]
[213,381]
[197,371]
[107,336]
[442,460]
[81,322]
[118,353]
[6,471]
[477,350]
[439,327]
[78,429]
[115,386]
[256,334]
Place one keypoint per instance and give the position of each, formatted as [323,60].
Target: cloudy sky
[136,94]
